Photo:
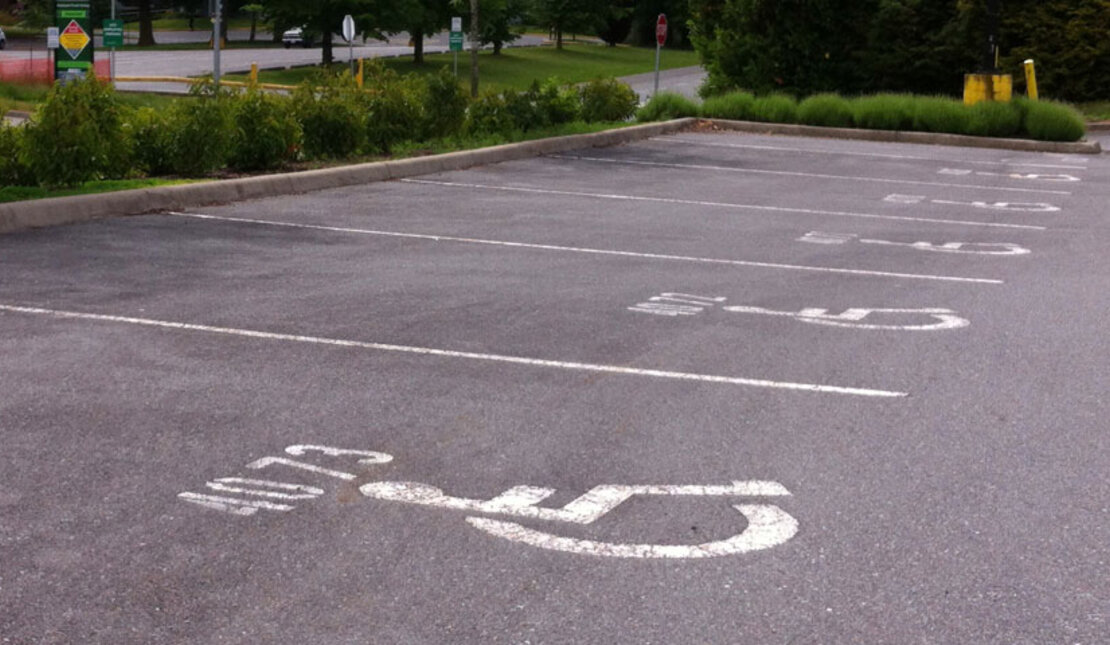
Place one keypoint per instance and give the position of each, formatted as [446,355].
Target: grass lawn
[517,67]
[1095,110]
[27,98]
[21,193]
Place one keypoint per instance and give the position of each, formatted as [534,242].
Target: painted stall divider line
[767,525]
[967,248]
[853,318]
[1028,207]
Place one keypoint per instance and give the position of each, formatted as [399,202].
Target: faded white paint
[312,468]
[1008,175]
[295,491]
[232,505]
[768,525]
[727,205]
[853,318]
[368,456]
[1031,207]
[631,254]
[791,173]
[662,305]
[967,248]
[428,351]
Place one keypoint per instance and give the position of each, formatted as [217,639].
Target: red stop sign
[661,29]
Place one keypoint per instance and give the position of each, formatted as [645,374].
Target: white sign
[51,37]
[456,23]
[348,28]
[767,525]
[969,248]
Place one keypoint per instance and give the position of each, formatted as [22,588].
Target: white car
[296,37]
[3,39]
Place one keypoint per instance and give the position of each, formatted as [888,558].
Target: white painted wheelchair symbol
[768,525]
[968,248]
[855,318]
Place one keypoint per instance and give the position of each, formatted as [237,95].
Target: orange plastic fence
[37,71]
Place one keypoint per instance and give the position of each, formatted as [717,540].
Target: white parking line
[693,202]
[591,251]
[790,173]
[429,351]
[878,155]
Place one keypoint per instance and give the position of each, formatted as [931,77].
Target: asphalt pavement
[707,388]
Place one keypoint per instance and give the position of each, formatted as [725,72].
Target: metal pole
[216,43]
[657,48]
[989,53]
[112,52]
[475,40]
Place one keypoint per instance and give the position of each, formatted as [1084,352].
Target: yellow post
[254,73]
[360,70]
[1031,80]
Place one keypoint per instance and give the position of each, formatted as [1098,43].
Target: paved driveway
[707,388]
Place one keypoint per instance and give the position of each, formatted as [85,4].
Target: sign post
[73,58]
[455,40]
[349,36]
[660,38]
[112,30]
[217,10]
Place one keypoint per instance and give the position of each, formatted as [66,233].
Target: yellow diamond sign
[73,39]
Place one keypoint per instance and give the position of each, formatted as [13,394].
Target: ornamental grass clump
[940,114]
[994,119]
[828,110]
[884,112]
[775,108]
[1050,121]
[666,105]
[737,106]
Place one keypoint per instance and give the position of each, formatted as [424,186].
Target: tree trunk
[558,37]
[497,45]
[417,45]
[327,48]
[254,25]
[146,25]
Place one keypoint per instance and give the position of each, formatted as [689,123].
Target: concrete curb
[894,136]
[1099,126]
[17,216]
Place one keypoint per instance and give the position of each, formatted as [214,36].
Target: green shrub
[940,114]
[607,100]
[331,114]
[13,170]
[393,108]
[666,105]
[265,133]
[200,135]
[884,112]
[444,105]
[734,105]
[828,110]
[78,135]
[775,108]
[557,103]
[152,135]
[1049,121]
[488,115]
[994,119]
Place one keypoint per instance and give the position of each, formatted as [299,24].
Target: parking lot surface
[706,388]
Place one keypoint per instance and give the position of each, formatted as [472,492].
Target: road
[706,388]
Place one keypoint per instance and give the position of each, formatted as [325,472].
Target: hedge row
[82,132]
[1042,120]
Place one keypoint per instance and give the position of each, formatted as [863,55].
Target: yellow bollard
[254,73]
[360,70]
[1031,80]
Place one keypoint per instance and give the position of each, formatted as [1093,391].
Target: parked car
[3,39]
[296,36]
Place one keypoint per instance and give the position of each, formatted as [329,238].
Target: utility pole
[216,13]
[475,40]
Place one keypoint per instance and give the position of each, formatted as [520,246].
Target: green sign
[113,33]
[74,56]
[455,40]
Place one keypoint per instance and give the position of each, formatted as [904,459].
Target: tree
[615,21]
[425,18]
[498,18]
[568,15]
[1068,39]
[373,17]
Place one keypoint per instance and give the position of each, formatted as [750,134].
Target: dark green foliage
[200,135]
[666,105]
[13,170]
[330,111]
[737,106]
[78,135]
[922,46]
[1068,39]
[488,114]
[444,105]
[1050,121]
[991,119]
[264,134]
[884,112]
[615,23]
[828,110]
[540,106]
[393,108]
[153,137]
[775,108]
[940,114]
[607,100]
